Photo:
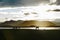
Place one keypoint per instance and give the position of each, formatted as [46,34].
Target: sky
[21,2]
[14,3]
[11,8]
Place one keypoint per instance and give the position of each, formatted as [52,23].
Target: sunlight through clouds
[41,10]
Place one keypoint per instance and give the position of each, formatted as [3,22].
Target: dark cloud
[10,2]
[24,2]
[34,2]
[58,2]
[21,2]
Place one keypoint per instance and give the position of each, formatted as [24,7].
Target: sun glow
[41,10]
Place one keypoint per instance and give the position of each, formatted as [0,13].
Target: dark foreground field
[27,34]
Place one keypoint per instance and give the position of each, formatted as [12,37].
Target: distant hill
[11,23]
[30,23]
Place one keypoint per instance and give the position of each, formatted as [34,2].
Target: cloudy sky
[21,2]
[14,3]
[5,11]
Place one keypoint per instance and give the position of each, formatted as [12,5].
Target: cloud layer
[21,2]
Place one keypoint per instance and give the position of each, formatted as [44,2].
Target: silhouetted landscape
[29,23]
[29,34]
